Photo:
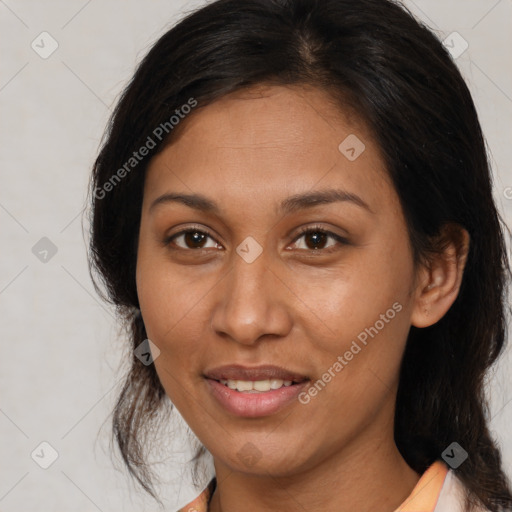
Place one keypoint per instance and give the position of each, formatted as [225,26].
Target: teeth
[242,385]
[256,386]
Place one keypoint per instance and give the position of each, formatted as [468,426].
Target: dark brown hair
[373,55]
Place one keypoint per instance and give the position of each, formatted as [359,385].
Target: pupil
[317,237]
[194,237]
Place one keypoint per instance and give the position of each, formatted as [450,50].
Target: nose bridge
[250,304]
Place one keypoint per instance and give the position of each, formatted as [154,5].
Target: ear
[438,283]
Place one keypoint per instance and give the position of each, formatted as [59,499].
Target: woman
[293,211]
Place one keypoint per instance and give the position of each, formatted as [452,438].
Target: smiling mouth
[258,386]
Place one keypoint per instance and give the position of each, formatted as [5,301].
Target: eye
[316,238]
[192,238]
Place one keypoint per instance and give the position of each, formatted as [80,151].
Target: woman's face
[244,289]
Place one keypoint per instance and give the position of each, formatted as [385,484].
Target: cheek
[166,303]
[353,298]
[172,323]
[175,308]
[367,311]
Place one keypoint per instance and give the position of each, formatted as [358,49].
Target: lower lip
[254,405]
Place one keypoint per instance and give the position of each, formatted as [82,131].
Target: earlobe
[439,283]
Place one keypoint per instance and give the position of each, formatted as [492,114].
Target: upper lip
[264,372]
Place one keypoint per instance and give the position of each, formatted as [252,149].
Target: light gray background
[62,355]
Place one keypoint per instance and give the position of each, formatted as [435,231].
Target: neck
[373,477]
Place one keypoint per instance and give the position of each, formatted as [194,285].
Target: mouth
[254,392]
[257,386]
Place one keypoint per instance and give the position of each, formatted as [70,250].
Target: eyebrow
[289,205]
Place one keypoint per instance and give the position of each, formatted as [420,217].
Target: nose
[251,302]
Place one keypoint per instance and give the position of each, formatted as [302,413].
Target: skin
[294,306]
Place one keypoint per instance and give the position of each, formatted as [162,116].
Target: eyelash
[302,232]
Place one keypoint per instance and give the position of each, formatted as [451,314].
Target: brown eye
[194,239]
[317,239]
[191,239]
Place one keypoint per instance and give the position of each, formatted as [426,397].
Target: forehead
[267,142]
[270,116]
